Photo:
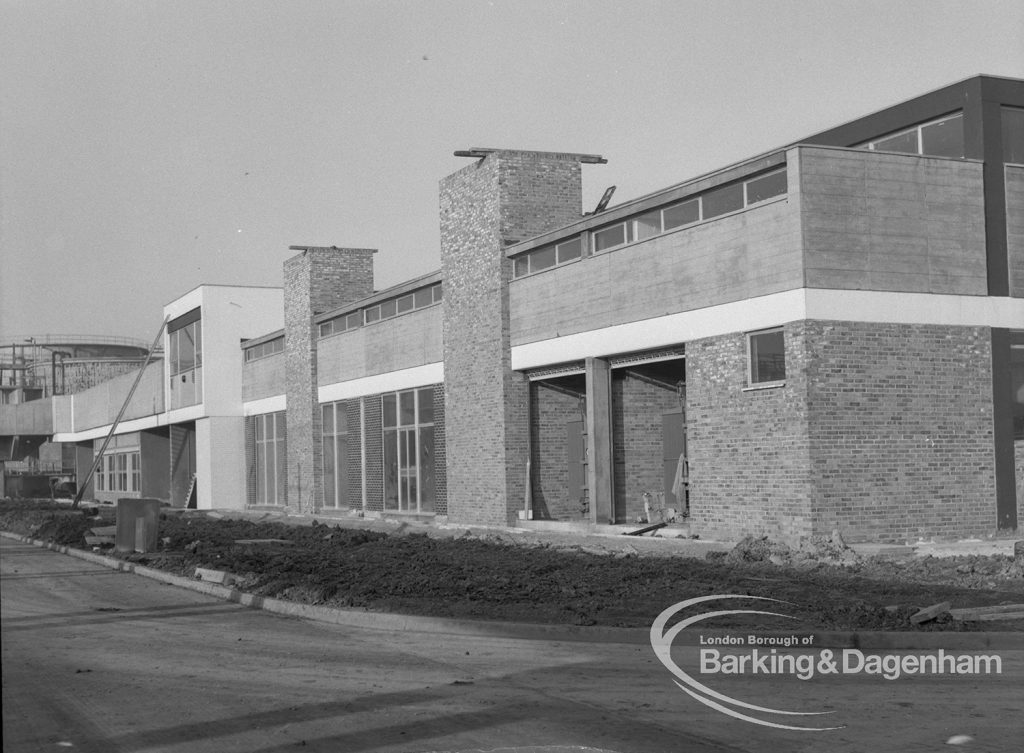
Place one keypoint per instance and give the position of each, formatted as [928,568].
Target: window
[384,310]
[767,356]
[1013,135]
[542,259]
[613,236]
[271,458]
[266,349]
[335,447]
[136,472]
[678,215]
[939,138]
[1017,383]
[765,187]
[548,256]
[712,203]
[647,225]
[119,472]
[569,250]
[408,429]
[185,358]
[722,200]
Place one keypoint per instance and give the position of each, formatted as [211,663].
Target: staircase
[191,488]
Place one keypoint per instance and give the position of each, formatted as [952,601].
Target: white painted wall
[220,462]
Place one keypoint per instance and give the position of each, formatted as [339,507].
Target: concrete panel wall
[901,430]
[264,377]
[231,315]
[33,418]
[99,405]
[220,462]
[412,339]
[63,413]
[731,258]
[1015,228]
[894,222]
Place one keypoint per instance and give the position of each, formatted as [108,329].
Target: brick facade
[440,455]
[750,469]
[551,411]
[901,433]
[500,199]
[883,431]
[315,281]
[374,438]
[637,410]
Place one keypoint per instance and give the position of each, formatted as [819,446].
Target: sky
[148,147]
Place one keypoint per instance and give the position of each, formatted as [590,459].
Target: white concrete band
[771,311]
[418,376]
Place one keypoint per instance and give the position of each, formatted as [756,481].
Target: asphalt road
[99,660]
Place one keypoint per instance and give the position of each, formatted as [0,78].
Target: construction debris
[214,576]
[807,554]
[647,529]
[986,614]
[930,613]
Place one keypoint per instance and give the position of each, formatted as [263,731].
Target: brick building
[828,335]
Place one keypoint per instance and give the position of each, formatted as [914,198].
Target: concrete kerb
[390,622]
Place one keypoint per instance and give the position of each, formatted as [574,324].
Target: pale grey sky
[147,147]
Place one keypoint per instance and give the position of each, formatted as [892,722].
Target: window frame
[269,444]
[752,382]
[871,144]
[408,440]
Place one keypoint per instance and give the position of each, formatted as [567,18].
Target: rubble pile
[809,553]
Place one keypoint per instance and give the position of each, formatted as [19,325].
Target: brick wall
[353,449]
[316,280]
[489,204]
[637,410]
[901,430]
[440,455]
[749,449]
[374,454]
[550,411]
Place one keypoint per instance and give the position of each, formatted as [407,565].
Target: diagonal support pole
[120,414]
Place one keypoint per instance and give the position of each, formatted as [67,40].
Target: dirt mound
[47,521]
[499,576]
[809,552]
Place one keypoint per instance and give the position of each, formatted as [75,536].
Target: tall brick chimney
[316,280]
[504,197]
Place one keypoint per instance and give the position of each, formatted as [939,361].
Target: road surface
[99,660]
